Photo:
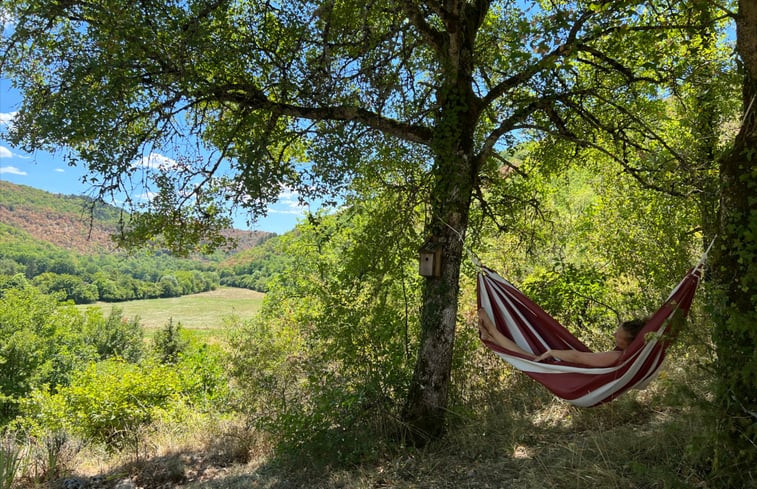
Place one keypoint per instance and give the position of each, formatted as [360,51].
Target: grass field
[203,313]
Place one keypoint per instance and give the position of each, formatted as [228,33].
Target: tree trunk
[427,398]
[454,174]
[450,203]
[705,125]
[735,271]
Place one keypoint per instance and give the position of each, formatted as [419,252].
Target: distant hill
[62,244]
[61,220]
[76,223]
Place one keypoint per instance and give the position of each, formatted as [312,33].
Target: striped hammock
[521,320]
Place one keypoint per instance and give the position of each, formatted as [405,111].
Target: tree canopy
[429,96]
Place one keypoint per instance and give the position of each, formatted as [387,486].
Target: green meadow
[205,313]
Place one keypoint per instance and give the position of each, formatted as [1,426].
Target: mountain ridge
[77,223]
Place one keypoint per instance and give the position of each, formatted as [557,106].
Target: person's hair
[633,326]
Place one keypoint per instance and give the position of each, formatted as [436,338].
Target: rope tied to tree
[475,260]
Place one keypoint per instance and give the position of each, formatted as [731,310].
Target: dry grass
[516,435]
[509,434]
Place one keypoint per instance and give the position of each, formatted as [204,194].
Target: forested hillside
[66,221]
[63,244]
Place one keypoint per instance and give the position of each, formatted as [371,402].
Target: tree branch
[616,65]
[255,99]
[515,118]
[544,62]
[505,126]
[647,129]
[415,15]
[509,164]
[634,172]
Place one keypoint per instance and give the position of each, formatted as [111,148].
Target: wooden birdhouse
[430,260]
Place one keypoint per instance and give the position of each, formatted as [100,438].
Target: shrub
[112,401]
[169,342]
[115,336]
[41,342]
[326,364]
[106,402]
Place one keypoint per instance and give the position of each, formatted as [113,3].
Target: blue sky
[49,172]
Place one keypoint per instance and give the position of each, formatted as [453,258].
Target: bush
[204,381]
[115,336]
[169,342]
[112,401]
[41,342]
[326,364]
[106,402]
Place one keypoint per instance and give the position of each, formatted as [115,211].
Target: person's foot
[484,325]
[483,333]
[485,319]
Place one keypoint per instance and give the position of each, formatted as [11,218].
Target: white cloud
[147,196]
[60,170]
[11,170]
[291,204]
[290,212]
[6,153]
[156,161]
[6,118]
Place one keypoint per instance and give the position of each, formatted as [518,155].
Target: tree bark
[454,173]
[426,405]
[735,272]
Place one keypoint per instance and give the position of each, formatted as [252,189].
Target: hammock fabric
[521,320]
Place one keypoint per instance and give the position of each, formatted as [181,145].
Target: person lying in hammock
[624,335]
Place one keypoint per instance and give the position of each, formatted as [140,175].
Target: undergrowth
[506,432]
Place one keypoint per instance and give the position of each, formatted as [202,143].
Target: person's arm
[602,359]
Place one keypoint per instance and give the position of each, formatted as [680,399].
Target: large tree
[735,270]
[307,94]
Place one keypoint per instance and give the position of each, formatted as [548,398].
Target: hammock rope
[531,328]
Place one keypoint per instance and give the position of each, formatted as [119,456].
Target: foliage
[107,401]
[45,342]
[205,381]
[169,342]
[107,276]
[22,196]
[253,268]
[327,360]
[575,296]
[69,286]
[110,401]
[298,101]
[41,342]
[114,336]
[295,95]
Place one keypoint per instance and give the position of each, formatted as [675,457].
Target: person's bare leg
[489,332]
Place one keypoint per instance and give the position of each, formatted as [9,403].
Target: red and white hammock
[524,322]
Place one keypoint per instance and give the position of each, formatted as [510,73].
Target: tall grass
[505,431]
[10,460]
